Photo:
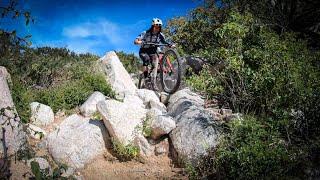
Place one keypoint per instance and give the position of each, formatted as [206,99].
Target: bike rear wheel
[170,75]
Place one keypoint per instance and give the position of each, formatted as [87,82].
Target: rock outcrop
[182,100]
[41,115]
[162,148]
[196,130]
[142,143]
[117,76]
[11,126]
[162,125]
[122,119]
[78,140]
[89,107]
[147,95]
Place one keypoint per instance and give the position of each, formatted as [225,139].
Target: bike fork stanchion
[154,73]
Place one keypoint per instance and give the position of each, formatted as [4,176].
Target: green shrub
[97,82]
[191,171]
[256,69]
[71,94]
[55,77]
[65,96]
[40,174]
[146,127]
[263,72]
[22,97]
[124,152]
[129,61]
[205,83]
[252,149]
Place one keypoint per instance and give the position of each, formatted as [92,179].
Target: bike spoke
[171,72]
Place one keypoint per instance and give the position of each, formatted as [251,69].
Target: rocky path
[83,140]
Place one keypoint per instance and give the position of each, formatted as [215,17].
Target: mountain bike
[164,69]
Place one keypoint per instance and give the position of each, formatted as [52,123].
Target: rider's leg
[146,59]
[145,71]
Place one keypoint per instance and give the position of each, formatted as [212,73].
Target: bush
[264,73]
[65,96]
[274,76]
[129,61]
[46,174]
[22,97]
[205,83]
[55,77]
[124,152]
[252,149]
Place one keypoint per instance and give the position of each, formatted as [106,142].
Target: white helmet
[156,21]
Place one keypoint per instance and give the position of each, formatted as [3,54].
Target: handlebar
[155,44]
[159,44]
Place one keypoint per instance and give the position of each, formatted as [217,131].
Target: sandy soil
[156,167]
[19,170]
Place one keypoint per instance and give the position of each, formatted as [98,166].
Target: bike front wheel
[170,75]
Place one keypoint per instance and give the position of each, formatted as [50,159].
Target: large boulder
[89,107]
[157,105]
[182,100]
[5,74]
[133,100]
[41,115]
[78,140]
[11,125]
[197,130]
[117,76]
[194,63]
[142,143]
[195,134]
[162,125]
[147,95]
[122,119]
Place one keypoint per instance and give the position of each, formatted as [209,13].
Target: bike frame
[159,61]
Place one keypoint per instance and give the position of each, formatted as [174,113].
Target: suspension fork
[155,69]
[168,62]
[170,65]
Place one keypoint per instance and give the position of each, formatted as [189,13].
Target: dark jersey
[149,37]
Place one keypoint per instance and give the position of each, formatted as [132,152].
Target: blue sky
[94,26]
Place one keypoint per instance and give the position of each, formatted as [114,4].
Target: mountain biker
[153,35]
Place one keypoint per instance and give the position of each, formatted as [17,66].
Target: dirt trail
[156,167]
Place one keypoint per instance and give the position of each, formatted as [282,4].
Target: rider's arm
[137,41]
[139,38]
[163,40]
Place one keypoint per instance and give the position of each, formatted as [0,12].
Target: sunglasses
[157,25]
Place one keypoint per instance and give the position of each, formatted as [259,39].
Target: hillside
[118,135]
[247,108]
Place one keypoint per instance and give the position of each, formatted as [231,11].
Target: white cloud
[102,29]
[101,35]
[82,46]
[76,31]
